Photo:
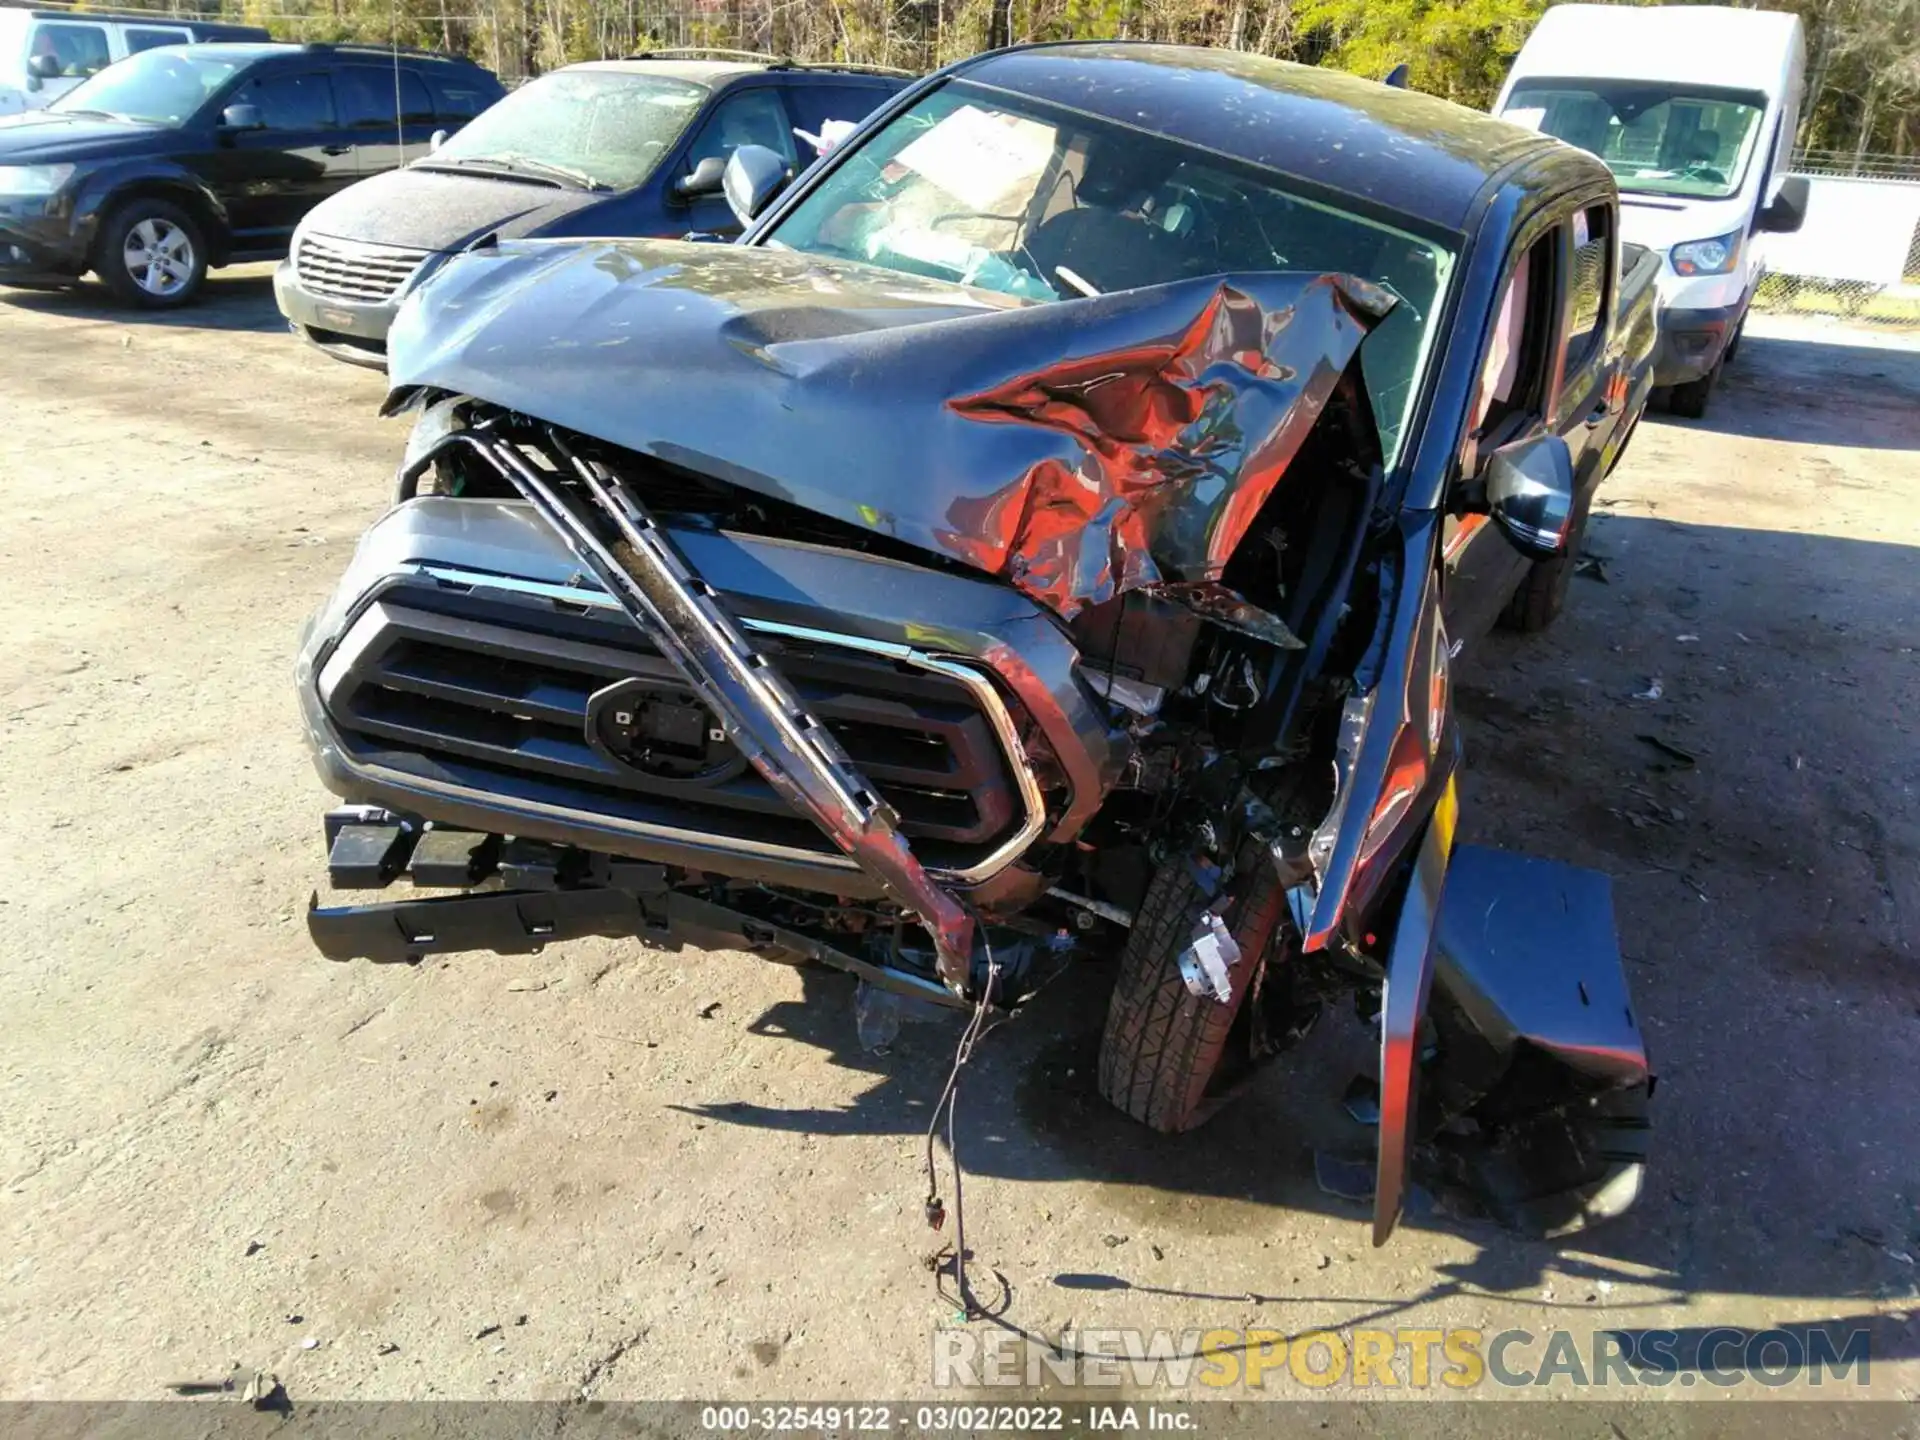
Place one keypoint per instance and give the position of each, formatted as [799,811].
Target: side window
[1588,281]
[366,98]
[816,106]
[79,50]
[139,38]
[416,105]
[456,99]
[1513,371]
[290,102]
[747,117]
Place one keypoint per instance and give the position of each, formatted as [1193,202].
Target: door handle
[335,149]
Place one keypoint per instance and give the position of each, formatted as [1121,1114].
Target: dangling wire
[948,1103]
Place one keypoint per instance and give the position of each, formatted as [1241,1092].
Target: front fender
[106,187]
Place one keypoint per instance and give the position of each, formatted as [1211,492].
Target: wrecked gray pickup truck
[1046,533]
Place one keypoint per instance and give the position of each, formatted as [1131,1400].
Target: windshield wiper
[518,166]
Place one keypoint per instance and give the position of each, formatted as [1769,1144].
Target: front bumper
[353,331]
[456,554]
[39,243]
[1691,342]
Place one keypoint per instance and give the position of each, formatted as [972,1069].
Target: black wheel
[1733,345]
[1689,401]
[1543,593]
[1162,1058]
[151,253]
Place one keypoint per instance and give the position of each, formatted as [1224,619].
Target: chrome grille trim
[992,705]
[354,270]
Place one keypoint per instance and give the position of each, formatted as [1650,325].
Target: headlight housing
[1706,257]
[33,179]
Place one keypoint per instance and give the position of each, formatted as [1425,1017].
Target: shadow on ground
[1784,388]
[229,302]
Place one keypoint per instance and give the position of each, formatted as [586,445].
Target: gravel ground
[617,1173]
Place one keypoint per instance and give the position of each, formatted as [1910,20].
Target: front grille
[352,270]
[492,694]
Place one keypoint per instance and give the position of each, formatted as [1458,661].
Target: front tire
[1164,1047]
[1689,401]
[151,253]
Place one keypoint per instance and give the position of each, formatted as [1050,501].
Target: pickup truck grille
[498,696]
[351,270]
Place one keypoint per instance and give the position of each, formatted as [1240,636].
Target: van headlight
[1706,257]
[33,180]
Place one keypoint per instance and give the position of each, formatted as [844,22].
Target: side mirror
[436,140]
[706,178]
[1787,211]
[1530,494]
[242,117]
[44,67]
[753,176]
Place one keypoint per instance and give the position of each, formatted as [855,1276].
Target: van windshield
[606,128]
[158,87]
[1657,139]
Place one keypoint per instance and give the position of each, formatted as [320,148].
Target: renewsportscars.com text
[1406,1358]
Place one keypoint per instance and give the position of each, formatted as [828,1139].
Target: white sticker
[1527,117]
[980,158]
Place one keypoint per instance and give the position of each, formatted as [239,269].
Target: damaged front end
[845,622]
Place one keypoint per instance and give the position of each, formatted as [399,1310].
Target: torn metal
[1078,450]
[765,720]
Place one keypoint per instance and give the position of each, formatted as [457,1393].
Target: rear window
[369,98]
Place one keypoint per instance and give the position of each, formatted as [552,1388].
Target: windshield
[603,127]
[972,186]
[1659,139]
[160,87]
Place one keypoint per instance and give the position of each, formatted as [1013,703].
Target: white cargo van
[1693,108]
[45,53]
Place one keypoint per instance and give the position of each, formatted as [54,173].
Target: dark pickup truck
[1046,533]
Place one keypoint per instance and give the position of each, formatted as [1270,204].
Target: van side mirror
[436,140]
[1529,486]
[754,175]
[705,178]
[44,67]
[242,117]
[1787,211]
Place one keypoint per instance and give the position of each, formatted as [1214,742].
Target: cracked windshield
[1040,205]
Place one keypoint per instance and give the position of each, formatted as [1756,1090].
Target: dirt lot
[679,1175]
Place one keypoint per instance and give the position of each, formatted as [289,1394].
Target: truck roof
[1408,153]
[1708,45]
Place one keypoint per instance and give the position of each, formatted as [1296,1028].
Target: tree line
[1863,60]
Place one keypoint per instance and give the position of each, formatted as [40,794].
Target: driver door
[1511,401]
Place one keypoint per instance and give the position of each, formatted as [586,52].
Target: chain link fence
[1858,254]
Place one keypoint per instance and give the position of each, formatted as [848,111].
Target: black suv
[179,158]
[610,147]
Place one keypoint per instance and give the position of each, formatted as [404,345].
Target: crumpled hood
[434,210]
[1077,449]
